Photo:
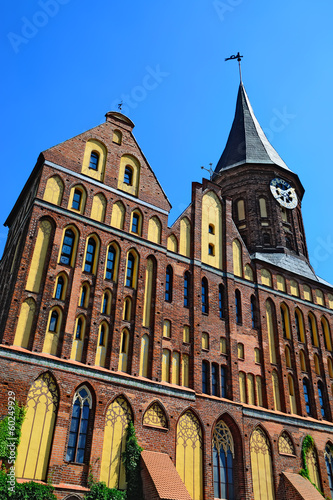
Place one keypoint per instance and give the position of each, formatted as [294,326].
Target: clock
[284,193]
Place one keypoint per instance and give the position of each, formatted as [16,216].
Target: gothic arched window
[186,289]
[328,454]
[306,396]
[79,426]
[223,456]
[238,305]
[204,296]
[168,284]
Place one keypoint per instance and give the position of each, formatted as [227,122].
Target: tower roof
[247,142]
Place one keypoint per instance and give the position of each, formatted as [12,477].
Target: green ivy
[9,437]
[99,491]
[12,490]
[131,459]
[307,444]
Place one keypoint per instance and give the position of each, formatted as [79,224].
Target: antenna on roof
[120,105]
[239,58]
[210,170]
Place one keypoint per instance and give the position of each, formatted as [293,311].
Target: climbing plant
[10,433]
[307,444]
[131,460]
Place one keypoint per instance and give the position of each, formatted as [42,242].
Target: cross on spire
[239,58]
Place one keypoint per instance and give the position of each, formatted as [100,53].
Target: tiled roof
[165,477]
[303,486]
[247,142]
[290,263]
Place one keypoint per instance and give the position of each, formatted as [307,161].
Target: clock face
[284,193]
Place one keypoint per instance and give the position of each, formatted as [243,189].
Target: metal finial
[210,170]
[120,105]
[239,58]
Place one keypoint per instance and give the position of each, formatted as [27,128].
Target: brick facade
[19,367]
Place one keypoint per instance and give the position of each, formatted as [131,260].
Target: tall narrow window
[127,309]
[93,163]
[106,302]
[77,198]
[223,382]
[205,377]
[102,336]
[221,301]
[128,176]
[79,426]
[215,379]
[313,330]
[110,263]
[124,350]
[78,332]
[253,311]
[168,284]
[186,288]
[67,247]
[53,321]
[204,296]
[223,456]
[238,305]
[84,296]
[59,288]
[321,399]
[130,270]
[90,255]
[306,396]
[135,223]
[285,321]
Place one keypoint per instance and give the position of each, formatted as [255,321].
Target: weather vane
[239,58]
[210,170]
[120,105]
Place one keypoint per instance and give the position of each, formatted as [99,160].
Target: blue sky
[68,62]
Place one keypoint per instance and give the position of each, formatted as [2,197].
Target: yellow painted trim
[96,256]
[301,324]
[64,289]
[165,365]
[80,188]
[127,309]
[327,333]
[237,258]
[185,237]
[131,161]
[39,256]
[118,215]
[76,242]
[302,361]
[98,208]
[148,292]
[54,190]
[241,210]
[211,216]
[259,390]
[140,219]
[24,324]
[154,230]
[117,136]
[185,370]
[261,466]
[263,208]
[292,398]
[186,334]
[167,328]
[319,297]
[108,307]
[94,145]
[135,268]
[172,243]
[242,387]
[287,356]
[175,368]
[266,277]
[51,339]
[248,272]
[250,389]
[285,310]
[77,346]
[280,283]
[271,332]
[307,293]
[87,297]
[144,354]
[123,354]
[314,329]
[276,391]
[101,349]
[294,290]
[116,261]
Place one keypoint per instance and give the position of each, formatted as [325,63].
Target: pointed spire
[247,142]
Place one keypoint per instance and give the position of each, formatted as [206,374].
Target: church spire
[247,142]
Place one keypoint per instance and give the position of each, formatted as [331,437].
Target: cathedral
[212,335]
